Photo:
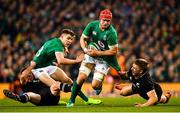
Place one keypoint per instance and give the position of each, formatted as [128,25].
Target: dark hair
[142,63]
[68,31]
[23,68]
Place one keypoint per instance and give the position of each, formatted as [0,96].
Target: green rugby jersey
[103,39]
[45,56]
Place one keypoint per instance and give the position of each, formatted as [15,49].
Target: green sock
[83,96]
[75,90]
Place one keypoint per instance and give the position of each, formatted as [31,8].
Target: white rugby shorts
[49,70]
[100,64]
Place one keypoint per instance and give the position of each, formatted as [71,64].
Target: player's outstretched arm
[151,101]
[61,60]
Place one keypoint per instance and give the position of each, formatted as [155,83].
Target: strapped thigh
[98,76]
[85,70]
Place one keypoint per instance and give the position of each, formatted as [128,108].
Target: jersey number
[39,51]
[101,44]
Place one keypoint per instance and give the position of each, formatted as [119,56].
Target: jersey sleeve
[129,75]
[87,30]
[112,39]
[58,48]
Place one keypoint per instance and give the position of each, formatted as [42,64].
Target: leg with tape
[97,82]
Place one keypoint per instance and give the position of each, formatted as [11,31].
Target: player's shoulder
[50,40]
[93,23]
[146,78]
[112,29]
[53,41]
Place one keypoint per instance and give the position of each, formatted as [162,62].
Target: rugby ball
[94,46]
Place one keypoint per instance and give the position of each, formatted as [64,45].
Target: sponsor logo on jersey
[137,84]
[94,33]
[105,37]
[101,44]
[130,78]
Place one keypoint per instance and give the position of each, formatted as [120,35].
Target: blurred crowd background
[146,29]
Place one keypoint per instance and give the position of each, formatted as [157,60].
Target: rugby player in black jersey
[142,84]
[40,94]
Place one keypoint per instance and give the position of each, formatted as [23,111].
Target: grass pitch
[119,104]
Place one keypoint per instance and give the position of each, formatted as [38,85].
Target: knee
[85,70]
[98,76]
[96,85]
[68,81]
[81,78]
[97,80]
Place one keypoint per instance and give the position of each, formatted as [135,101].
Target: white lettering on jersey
[130,78]
[137,84]
[105,37]
[39,51]
[94,33]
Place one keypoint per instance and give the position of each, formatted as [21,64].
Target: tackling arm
[152,99]
[61,60]
[83,42]
[24,75]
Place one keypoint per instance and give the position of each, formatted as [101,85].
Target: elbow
[60,63]
[155,99]
[22,80]
[33,64]
[114,52]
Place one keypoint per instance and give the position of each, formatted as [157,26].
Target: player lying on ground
[37,93]
[40,94]
[143,85]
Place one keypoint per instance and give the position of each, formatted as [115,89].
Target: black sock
[24,98]
[65,87]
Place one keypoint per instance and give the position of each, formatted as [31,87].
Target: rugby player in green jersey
[43,62]
[104,39]
[52,52]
